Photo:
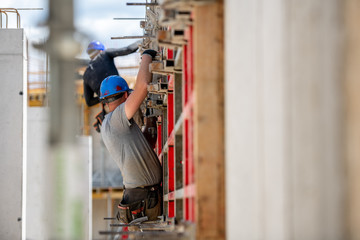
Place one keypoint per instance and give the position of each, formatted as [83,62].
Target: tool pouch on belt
[131,211]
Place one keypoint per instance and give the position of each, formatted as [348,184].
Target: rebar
[142,4]
[128,18]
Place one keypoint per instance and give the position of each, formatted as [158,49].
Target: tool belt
[149,207]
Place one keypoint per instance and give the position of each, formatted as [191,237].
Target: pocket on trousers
[153,199]
[153,208]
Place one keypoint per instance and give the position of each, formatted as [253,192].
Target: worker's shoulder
[118,111]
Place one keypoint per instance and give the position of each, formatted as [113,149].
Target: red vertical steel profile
[170,54]
[185,134]
[171,156]
[190,59]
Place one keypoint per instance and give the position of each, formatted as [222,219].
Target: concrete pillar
[13,131]
[36,218]
[284,165]
[38,179]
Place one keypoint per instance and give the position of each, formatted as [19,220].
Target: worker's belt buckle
[151,187]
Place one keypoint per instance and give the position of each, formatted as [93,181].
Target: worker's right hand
[150,52]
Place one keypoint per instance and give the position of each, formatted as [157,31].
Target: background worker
[101,65]
[127,145]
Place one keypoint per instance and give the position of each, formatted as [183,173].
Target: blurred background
[273,147]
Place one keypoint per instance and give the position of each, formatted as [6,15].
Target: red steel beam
[171,152]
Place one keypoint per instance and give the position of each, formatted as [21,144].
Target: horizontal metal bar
[186,192]
[21,8]
[142,4]
[132,37]
[128,18]
[131,225]
[109,218]
[153,234]
[141,224]
[122,225]
[29,8]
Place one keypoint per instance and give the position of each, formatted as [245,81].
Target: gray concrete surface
[36,218]
[12,67]
[284,170]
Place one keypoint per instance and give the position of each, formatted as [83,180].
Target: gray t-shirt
[127,145]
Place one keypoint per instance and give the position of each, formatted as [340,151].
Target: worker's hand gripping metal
[150,52]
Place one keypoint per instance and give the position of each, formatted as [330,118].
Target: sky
[92,18]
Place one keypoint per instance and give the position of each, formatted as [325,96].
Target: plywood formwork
[352,117]
[209,121]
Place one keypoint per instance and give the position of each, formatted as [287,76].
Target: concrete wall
[12,67]
[102,208]
[38,124]
[284,165]
[38,214]
[85,148]
[41,197]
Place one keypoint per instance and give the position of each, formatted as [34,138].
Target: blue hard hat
[113,85]
[95,45]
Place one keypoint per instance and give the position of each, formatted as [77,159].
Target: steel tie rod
[142,4]
[128,18]
[132,37]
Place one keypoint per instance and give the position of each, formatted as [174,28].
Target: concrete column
[36,219]
[13,137]
[284,165]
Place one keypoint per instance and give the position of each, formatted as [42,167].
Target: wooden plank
[352,116]
[156,66]
[209,120]
[163,35]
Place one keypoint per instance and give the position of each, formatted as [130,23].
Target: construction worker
[101,66]
[127,145]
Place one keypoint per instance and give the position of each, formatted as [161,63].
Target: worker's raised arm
[135,99]
[115,52]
